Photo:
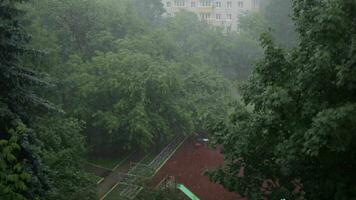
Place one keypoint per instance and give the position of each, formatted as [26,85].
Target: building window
[218,16]
[229,16]
[218,4]
[240,4]
[229,4]
[168,4]
[179,3]
[205,16]
[205,3]
[192,4]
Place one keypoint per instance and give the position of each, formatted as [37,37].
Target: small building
[223,13]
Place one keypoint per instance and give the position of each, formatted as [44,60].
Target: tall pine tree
[21,172]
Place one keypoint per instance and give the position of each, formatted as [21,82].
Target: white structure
[222,13]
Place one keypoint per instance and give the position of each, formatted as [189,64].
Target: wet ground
[187,166]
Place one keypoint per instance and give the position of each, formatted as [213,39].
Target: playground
[187,166]
[180,166]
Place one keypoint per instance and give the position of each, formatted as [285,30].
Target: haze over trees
[79,77]
[114,80]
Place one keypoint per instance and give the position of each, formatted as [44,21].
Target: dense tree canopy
[121,82]
[298,131]
[21,171]
[63,151]
[121,77]
[134,85]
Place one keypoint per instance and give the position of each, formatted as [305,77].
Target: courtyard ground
[187,166]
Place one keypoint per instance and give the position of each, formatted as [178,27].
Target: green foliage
[14,177]
[123,77]
[83,27]
[299,132]
[150,10]
[135,87]
[46,160]
[63,151]
[232,54]
[136,98]
[22,175]
[134,101]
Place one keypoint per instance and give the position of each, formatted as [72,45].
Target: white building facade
[223,13]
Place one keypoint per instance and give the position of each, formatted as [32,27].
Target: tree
[130,99]
[298,131]
[230,54]
[41,153]
[63,151]
[137,87]
[150,10]
[21,171]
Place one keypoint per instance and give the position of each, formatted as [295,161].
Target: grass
[107,163]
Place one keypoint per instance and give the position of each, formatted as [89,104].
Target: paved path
[114,176]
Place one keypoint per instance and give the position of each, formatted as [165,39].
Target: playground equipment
[170,183]
[187,192]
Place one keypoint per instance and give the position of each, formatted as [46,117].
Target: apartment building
[222,13]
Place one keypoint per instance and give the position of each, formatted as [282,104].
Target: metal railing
[129,185]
